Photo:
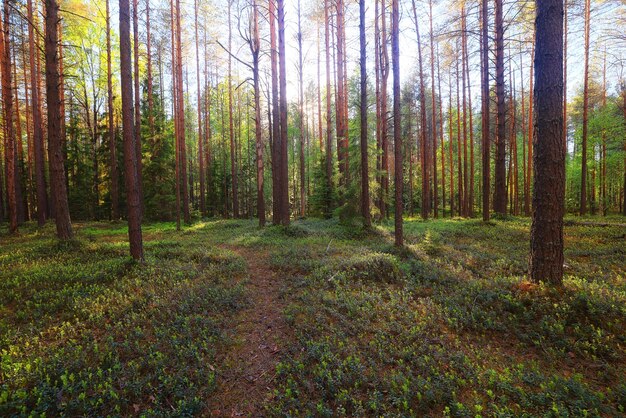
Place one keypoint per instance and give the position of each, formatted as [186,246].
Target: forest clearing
[270,208]
[344,323]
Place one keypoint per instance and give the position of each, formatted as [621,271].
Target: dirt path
[260,332]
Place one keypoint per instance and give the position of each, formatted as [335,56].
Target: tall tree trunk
[465,82]
[499,200]
[460,182]
[546,241]
[133,200]
[423,145]
[276,137]
[603,201]
[301,105]
[397,126]
[450,142]
[384,128]
[284,199]
[342,120]
[38,142]
[583,171]
[200,137]
[329,117]
[523,119]
[365,191]
[319,92]
[175,112]
[115,209]
[484,88]
[470,191]
[55,151]
[231,130]
[434,111]
[441,139]
[181,117]
[9,135]
[565,76]
[21,191]
[138,152]
[149,71]
[529,153]
[255,47]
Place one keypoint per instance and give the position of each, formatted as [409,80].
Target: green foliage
[447,327]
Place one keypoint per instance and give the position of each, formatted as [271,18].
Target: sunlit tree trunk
[133,199]
[55,151]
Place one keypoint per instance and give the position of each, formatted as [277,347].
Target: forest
[313,208]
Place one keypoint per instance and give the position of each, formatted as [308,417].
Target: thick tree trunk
[549,169]
[397,127]
[499,199]
[564,76]
[133,200]
[55,151]
[365,192]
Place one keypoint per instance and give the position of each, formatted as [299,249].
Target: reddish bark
[133,200]
[549,169]
[55,151]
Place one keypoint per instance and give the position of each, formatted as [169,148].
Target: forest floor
[316,319]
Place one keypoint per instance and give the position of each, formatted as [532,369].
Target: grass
[449,326]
